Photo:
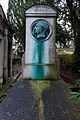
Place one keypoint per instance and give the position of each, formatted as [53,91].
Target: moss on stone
[38,87]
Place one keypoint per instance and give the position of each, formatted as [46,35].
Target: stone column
[10,56]
[40,43]
[5,68]
[1,57]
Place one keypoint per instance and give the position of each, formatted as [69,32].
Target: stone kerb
[40,43]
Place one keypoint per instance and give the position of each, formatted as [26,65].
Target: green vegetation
[68,23]
[38,87]
[66,60]
[76,95]
[16,63]
[76,64]
[63,36]
[78,83]
[65,50]
[18,8]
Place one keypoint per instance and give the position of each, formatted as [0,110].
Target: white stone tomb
[40,43]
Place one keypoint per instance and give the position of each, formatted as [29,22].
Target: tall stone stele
[40,43]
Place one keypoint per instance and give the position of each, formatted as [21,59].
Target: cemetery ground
[39,100]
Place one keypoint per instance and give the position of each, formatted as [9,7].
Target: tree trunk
[75,22]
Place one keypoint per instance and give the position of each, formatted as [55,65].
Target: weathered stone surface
[5,43]
[40,10]
[40,43]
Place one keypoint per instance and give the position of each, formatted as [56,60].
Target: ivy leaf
[78,100]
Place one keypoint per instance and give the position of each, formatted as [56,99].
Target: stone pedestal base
[40,72]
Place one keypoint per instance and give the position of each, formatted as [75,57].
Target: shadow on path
[57,105]
[19,104]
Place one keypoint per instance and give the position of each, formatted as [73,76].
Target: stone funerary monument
[40,43]
[6,33]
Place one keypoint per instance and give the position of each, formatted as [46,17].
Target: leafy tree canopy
[16,16]
[68,14]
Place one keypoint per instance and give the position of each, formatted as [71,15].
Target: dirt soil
[69,76]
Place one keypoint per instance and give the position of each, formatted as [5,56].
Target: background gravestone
[40,43]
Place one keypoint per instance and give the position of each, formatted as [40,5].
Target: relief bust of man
[40,30]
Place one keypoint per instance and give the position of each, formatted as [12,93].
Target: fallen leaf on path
[53,113]
[15,113]
[67,112]
[6,105]
[8,113]
[52,94]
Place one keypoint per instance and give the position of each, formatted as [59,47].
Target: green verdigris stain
[38,58]
[40,31]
